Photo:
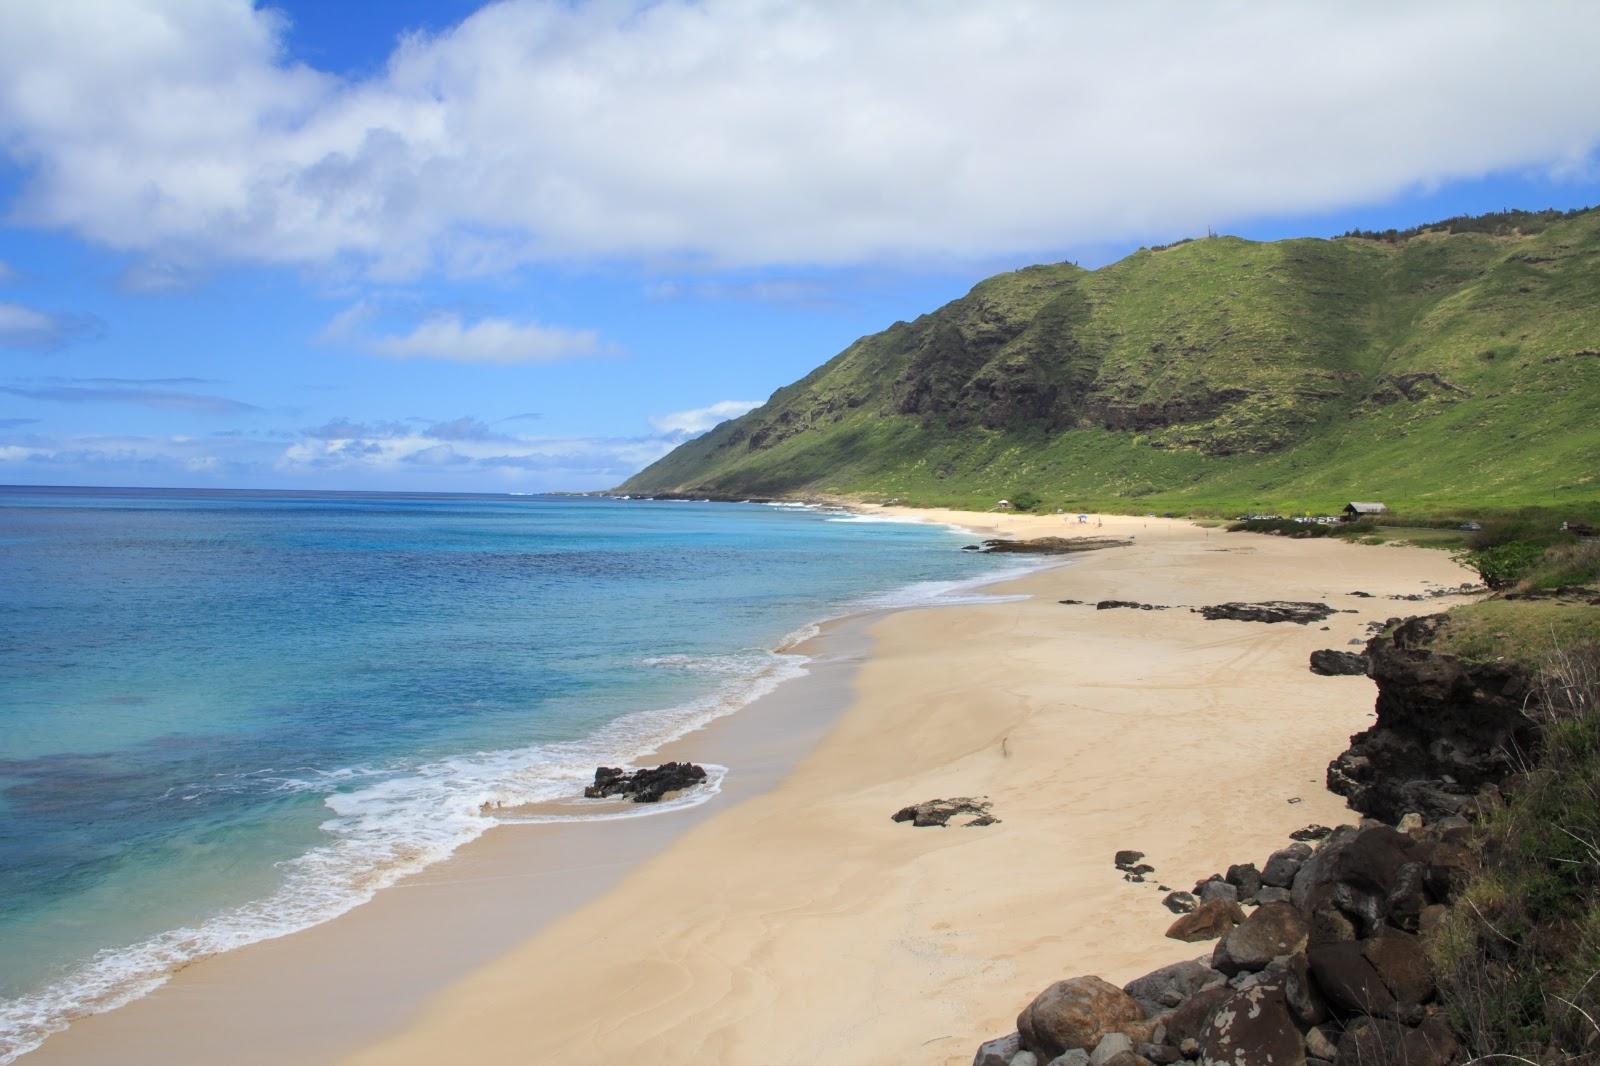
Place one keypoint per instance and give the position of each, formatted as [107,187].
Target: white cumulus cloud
[697,420]
[770,132]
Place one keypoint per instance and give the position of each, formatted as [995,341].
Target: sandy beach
[791,921]
[804,925]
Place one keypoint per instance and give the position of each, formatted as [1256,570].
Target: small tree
[1025,500]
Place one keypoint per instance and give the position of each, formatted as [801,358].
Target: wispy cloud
[156,399]
[447,336]
[798,292]
[488,340]
[697,420]
[30,329]
[7,274]
[155,276]
[14,423]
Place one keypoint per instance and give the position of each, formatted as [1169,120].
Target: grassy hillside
[1454,365]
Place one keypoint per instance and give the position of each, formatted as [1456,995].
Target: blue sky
[436,246]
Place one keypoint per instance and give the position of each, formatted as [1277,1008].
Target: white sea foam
[387,823]
[400,823]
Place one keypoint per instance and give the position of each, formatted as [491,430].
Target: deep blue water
[227,715]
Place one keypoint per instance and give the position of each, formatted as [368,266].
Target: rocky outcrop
[1052,545]
[646,785]
[1270,611]
[1331,663]
[938,812]
[1446,728]
[1336,969]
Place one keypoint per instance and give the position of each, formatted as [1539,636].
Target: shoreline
[568,866]
[803,925]
[475,997]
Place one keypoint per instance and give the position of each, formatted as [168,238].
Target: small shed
[1354,511]
[1003,505]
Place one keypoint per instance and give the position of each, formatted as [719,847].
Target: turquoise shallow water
[227,716]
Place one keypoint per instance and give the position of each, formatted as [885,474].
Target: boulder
[1432,1043]
[1408,897]
[1024,1058]
[1127,1058]
[1126,859]
[1274,929]
[1331,663]
[1402,965]
[1348,981]
[1111,1045]
[1283,864]
[1207,921]
[938,812]
[1321,1043]
[1364,909]
[1268,894]
[1217,888]
[1316,873]
[1075,1013]
[1373,1042]
[1188,1021]
[646,785]
[1252,1028]
[1246,879]
[1073,1057]
[999,1051]
[1373,857]
[1180,902]
[1328,926]
[1310,832]
[1163,989]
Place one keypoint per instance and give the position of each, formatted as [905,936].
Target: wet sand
[790,920]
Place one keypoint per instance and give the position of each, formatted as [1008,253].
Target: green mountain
[1454,364]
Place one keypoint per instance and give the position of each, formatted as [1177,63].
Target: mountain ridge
[1453,363]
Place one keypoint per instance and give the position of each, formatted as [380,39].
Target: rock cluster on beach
[646,785]
[1270,611]
[1050,545]
[1327,966]
[1318,957]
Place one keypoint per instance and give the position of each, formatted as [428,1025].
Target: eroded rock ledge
[646,785]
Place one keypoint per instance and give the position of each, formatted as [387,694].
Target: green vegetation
[1288,527]
[1522,630]
[1025,500]
[1518,954]
[1449,371]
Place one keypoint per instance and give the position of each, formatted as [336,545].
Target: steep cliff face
[1213,367]
[1446,728]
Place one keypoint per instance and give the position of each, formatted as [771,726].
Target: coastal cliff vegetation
[1452,365]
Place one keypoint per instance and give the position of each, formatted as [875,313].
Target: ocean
[227,716]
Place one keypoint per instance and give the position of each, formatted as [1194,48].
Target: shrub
[1503,565]
[1025,500]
